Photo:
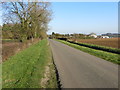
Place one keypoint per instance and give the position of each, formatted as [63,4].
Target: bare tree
[32,18]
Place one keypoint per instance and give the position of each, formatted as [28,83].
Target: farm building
[93,35]
[112,35]
[105,37]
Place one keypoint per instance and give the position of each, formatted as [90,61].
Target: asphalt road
[78,69]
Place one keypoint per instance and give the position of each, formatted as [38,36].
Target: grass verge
[102,54]
[27,69]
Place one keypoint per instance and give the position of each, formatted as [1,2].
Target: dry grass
[110,42]
[11,48]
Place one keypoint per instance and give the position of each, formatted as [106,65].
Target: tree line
[70,36]
[26,20]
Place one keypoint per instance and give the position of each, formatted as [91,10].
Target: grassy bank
[102,54]
[30,68]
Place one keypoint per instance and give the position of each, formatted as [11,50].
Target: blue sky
[84,17]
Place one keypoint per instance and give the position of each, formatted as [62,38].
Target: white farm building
[105,37]
[93,35]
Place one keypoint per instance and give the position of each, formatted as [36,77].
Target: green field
[27,68]
[99,53]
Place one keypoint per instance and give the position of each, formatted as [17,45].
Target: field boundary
[98,47]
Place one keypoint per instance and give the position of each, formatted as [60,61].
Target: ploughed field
[109,42]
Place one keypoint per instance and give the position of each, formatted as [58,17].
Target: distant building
[111,35]
[105,37]
[93,35]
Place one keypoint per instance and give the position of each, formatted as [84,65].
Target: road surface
[78,69]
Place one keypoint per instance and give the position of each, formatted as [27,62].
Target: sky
[84,17]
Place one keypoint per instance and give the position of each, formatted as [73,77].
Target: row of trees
[70,36]
[26,20]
